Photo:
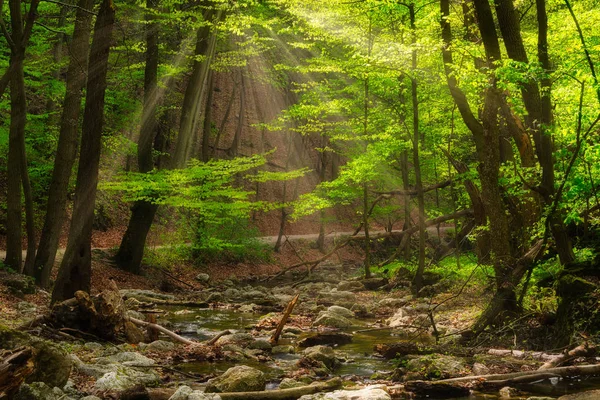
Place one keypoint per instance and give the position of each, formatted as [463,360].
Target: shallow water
[203,324]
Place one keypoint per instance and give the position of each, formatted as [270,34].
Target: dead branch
[217,336]
[413,192]
[290,307]
[584,350]
[164,330]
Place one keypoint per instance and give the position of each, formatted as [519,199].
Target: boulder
[203,278]
[283,349]
[480,369]
[325,338]
[18,284]
[160,346]
[186,393]
[123,378]
[52,365]
[239,338]
[39,391]
[260,344]
[238,379]
[341,311]
[351,286]
[376,392]
[128,358]
[508,392]
[323,354]
[332,321]
[437,366]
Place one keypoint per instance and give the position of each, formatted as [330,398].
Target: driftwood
[494,381]
[288,311]
[15,366]
[584,350]
[164,330]
[279,394]
[533,355]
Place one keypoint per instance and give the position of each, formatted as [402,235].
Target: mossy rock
[52,365]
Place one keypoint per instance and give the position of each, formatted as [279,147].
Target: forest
[285,199]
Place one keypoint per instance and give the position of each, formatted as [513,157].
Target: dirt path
[432,230]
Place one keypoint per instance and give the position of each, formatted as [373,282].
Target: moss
[573,286]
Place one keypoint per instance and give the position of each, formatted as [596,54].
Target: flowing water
[360,361]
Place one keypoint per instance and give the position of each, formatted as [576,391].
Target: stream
[359,362]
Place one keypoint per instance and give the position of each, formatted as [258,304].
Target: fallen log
[15,367]
[285,394]
[494,381]
[278,394]
[533,355]
[584,350]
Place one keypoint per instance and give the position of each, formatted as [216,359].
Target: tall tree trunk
[418,279]
[207,124]
[235,144]
[131,251]
[66,151]
[205,46]
[76,267]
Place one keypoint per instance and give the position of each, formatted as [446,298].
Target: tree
[66,151]
[75,269]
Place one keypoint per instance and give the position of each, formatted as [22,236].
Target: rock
[588,395]
[238,379]
[247,308]
[147,296]
[341,311]
[239,338]
[480,369]
[215,298]
[292,329]
[323,354]
[160,346]
[350,286]
[339,297]
[52,364]
[136,314]
[181,393]
[542,398]
[126,358]
[90,398]
[508,392]
[398,319]
[203,278]
[126,378]
[374,283]
[260,344]
[392,302]
[283,349]
[325,338]
[19,284]
[39,391]
[360,310]
[437,366]
[93,346]
[376,392]
[288,383]
[332,321]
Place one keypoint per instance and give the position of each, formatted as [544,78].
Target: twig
[290,307]
[217,336]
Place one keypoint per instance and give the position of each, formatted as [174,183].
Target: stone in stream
[238,379]
[326,338]
[283,349]
[288,383]
[332,320]
[508,392]
[239,338]
[435,366]
[160,346]
[375,392]
[145,295]
[392,302]
[322,354]
[126,378]
[342,311]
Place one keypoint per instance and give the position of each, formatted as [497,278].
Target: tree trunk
[131,251]
[418,279]
[66,151]
[205,46]
[75,269]
[235,144]
[207,124]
